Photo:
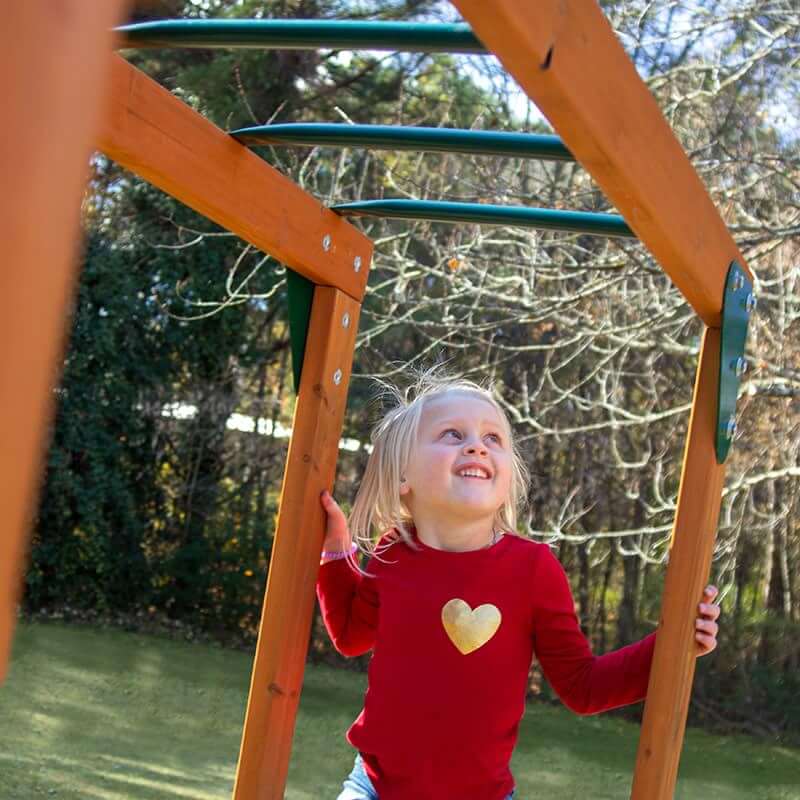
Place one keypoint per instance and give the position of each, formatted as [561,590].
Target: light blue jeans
[358,786]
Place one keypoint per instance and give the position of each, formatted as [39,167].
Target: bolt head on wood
[337,377]
[326,242]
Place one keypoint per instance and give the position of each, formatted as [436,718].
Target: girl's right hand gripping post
[337,536]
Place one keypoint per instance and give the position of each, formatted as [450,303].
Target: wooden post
[289,600]
[691,550]
[53,78]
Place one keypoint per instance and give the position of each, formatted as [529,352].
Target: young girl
[454,604]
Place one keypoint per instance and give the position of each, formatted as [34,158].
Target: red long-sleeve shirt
[446,682]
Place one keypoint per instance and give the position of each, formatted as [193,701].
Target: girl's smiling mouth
[473,471]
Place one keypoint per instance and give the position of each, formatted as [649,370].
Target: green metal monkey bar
[522,216]
[393,137]
[301,34]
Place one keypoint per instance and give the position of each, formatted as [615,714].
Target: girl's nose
[476,447]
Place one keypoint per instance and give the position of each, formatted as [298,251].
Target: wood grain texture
[53,77]
[152,133]
[570,63]
[691,550]
[286,618]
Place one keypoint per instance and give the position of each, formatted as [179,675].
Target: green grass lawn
[89,713]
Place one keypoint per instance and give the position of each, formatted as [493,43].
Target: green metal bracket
[738,303]
[300,293]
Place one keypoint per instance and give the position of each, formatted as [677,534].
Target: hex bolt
[357,263]
[337,377]
[730,428]
[326,242]
[740,366]
[751,303]
[346,320]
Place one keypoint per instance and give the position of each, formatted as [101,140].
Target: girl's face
[459,432]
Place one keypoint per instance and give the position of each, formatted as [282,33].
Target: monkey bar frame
[607,119]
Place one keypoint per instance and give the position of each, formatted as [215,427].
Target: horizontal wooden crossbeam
[161,139]
[569,62]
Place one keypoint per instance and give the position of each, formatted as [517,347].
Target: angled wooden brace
[569,62]
[154,134]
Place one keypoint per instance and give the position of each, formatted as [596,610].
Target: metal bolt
[326,242]
[337,377]
[751,303]
[740,366]
[730,428]
[345,320]
[357,263]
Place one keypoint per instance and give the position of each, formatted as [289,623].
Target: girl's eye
[494,436]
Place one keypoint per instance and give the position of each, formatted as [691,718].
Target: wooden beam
[289,600]
[691,550]
[152,133]
[53,77]
[570,63]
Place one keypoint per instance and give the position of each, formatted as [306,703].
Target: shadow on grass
[91,713]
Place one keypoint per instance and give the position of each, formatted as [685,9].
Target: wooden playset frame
[60,74]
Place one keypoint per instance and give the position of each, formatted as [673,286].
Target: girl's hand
[706,628]
[337,535]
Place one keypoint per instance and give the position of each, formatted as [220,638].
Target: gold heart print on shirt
[468,630]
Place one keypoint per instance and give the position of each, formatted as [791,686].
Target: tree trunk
[600,619]
[628,607]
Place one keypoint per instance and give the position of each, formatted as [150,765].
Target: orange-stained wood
[290,595]
[691,549]
[152,133]
[53,77]
[568,60]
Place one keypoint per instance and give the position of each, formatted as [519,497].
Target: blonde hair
[378,503]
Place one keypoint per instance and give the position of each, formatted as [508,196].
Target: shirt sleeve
[586,684]
[349,605]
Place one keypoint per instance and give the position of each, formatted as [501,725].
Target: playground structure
[59,73]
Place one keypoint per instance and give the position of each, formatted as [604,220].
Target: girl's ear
[403,486]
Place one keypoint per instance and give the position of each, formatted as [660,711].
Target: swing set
[59,74]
